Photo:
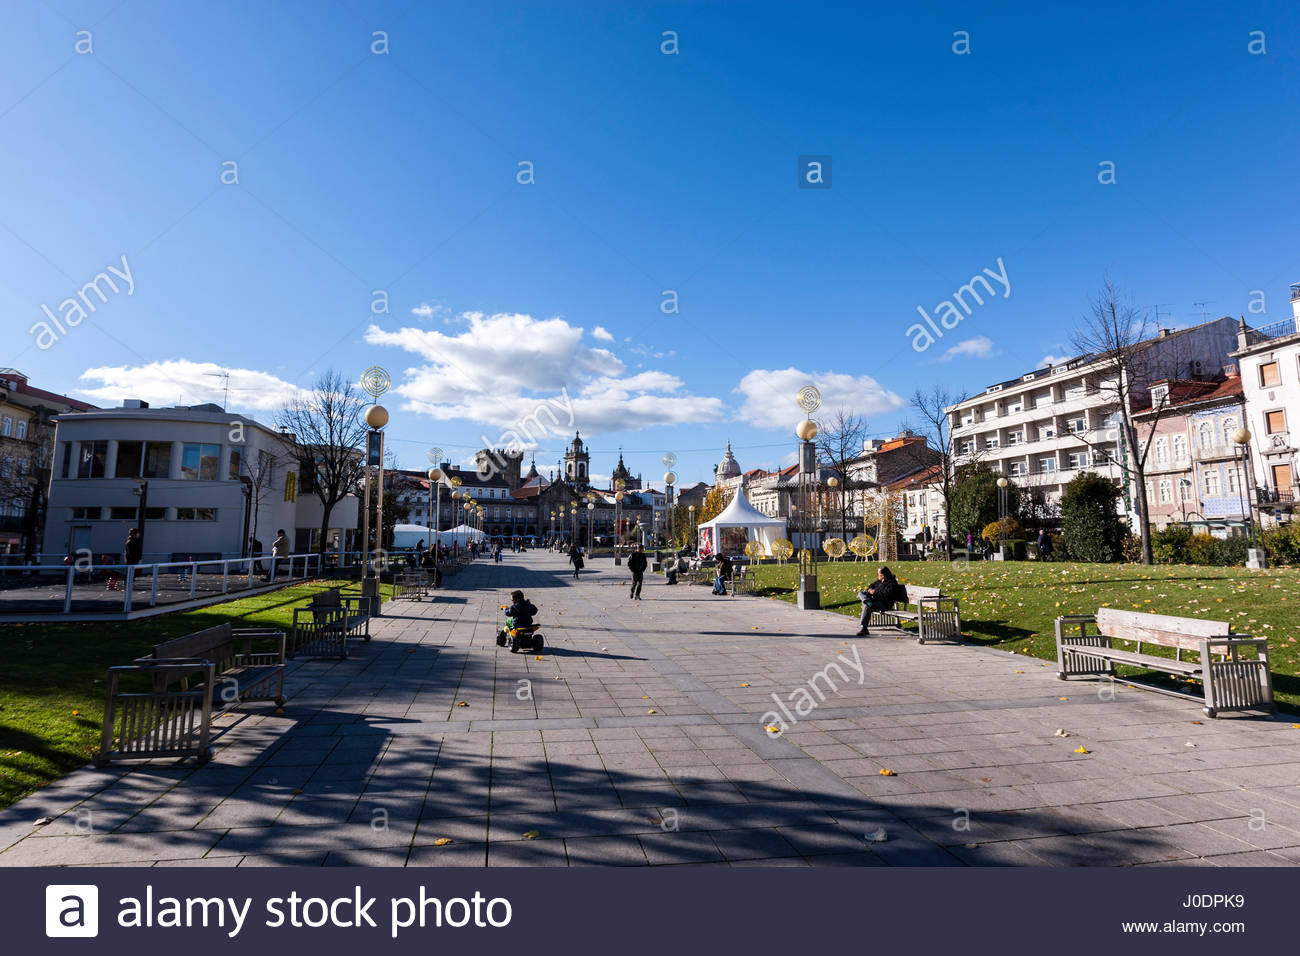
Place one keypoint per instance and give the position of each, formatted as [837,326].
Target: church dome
[729,467]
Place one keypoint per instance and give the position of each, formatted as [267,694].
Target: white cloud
[1053,360]
[979,347]
[423,310]
[769,395]
[602,333]
[505,368]
[182,382]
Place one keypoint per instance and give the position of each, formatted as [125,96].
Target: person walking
[636,563]
[575,559]
[279,551]
[133,549]
[1044,545]
[255,552]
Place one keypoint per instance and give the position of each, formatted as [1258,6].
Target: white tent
[740,516]
[462,534]
[409,535]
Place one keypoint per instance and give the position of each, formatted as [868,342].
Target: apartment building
[1193,475]
[1046,426]
[26,456]
[1270,375]
[205,478]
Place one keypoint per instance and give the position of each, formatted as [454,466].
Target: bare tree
[1118,337]
[932,409]
[328,427]
[838,447]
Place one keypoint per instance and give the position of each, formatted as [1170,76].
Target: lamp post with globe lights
[591,520]
[670,479]
[833,483]
[809,598]
[690,532]
[1002,517]
[375,382]
[1256,556]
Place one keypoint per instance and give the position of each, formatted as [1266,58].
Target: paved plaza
[638,738]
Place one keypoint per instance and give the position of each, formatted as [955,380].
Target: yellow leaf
[1062,698]
[772,729]
[532,834]
[442,841]
[886,772]
[744,685]
[1082,750]
[649,711]
[462,704]
[538,657]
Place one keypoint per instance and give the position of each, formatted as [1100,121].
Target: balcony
[1276,330]
[1273,498]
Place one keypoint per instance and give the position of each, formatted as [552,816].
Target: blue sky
[398,171]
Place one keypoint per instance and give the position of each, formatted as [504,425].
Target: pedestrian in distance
[575,559]
[279,552]
[255,551]
[636,563]
[133,549]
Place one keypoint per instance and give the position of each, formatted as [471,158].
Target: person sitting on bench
[880,596]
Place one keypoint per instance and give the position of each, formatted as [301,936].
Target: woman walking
[575,559]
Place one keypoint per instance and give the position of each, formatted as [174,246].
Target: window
[7,466]
[1275,422]
[1166,491]
[1046,465]
[1233,485]
[991,443]
[1076,425]
[1016,406]
[1162,451]
[129,455]
[196,514]
[1180,448]
[1078,459]
[22,430]
[1205,436]
[67,459]
[1015,438]
[6,426]
[121,514]
[200,461]
[1184,490]
[1046,432]
[93,456]
[968,447]
[1210,481]
[236,458]
[1229,426]
[1269,375]
[157,459]
[85,514]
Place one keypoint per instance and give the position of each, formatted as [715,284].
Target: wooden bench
[411,586]
[937,616]
[1230,679]
[324,626]
[183,684]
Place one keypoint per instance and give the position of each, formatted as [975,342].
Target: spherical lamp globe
[670,478]
[806,430]
[376,416]
[1002,482]
[1241,436]
[435,474]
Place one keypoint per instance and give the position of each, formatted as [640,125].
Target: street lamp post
[690,532]
[809,598]
[435,516]
[1002,516]
[591,519]
[618,520]
[670,479]
[1256,557]
[833,483]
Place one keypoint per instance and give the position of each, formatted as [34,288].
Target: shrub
[1227,552]
[1171,546]
[1090,518]
[1130,548]
[1010,529]
[1283,544]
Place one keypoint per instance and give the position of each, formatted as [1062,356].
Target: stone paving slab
[638,738]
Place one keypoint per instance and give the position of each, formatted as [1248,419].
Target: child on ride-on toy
[520,632]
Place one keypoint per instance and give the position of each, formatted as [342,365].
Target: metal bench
[324,626]
[411,586]
[163,704]
[1230,679]
[937,616]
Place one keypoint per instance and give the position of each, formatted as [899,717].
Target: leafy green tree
[973,503]
[1091,524]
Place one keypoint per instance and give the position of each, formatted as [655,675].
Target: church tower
[577,461]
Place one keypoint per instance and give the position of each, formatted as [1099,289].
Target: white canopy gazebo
[739,523]
[462,534]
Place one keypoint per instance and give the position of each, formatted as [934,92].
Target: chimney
[1231,371]
[1165,333]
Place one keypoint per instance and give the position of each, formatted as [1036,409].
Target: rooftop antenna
[1204,312]
[1157,307]
[225,379]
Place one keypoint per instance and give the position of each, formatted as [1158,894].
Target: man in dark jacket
[636,563]
[880,596]
[133,550]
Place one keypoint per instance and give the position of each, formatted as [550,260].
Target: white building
[1048,425]
[208,478]
[1269,358]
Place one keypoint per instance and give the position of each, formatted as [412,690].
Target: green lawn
[1013,605]
[52,682]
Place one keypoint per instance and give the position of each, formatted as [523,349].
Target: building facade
[26,460]
[1270,375]
[1046,426]
[206,479]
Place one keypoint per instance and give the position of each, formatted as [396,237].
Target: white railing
[180,578]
